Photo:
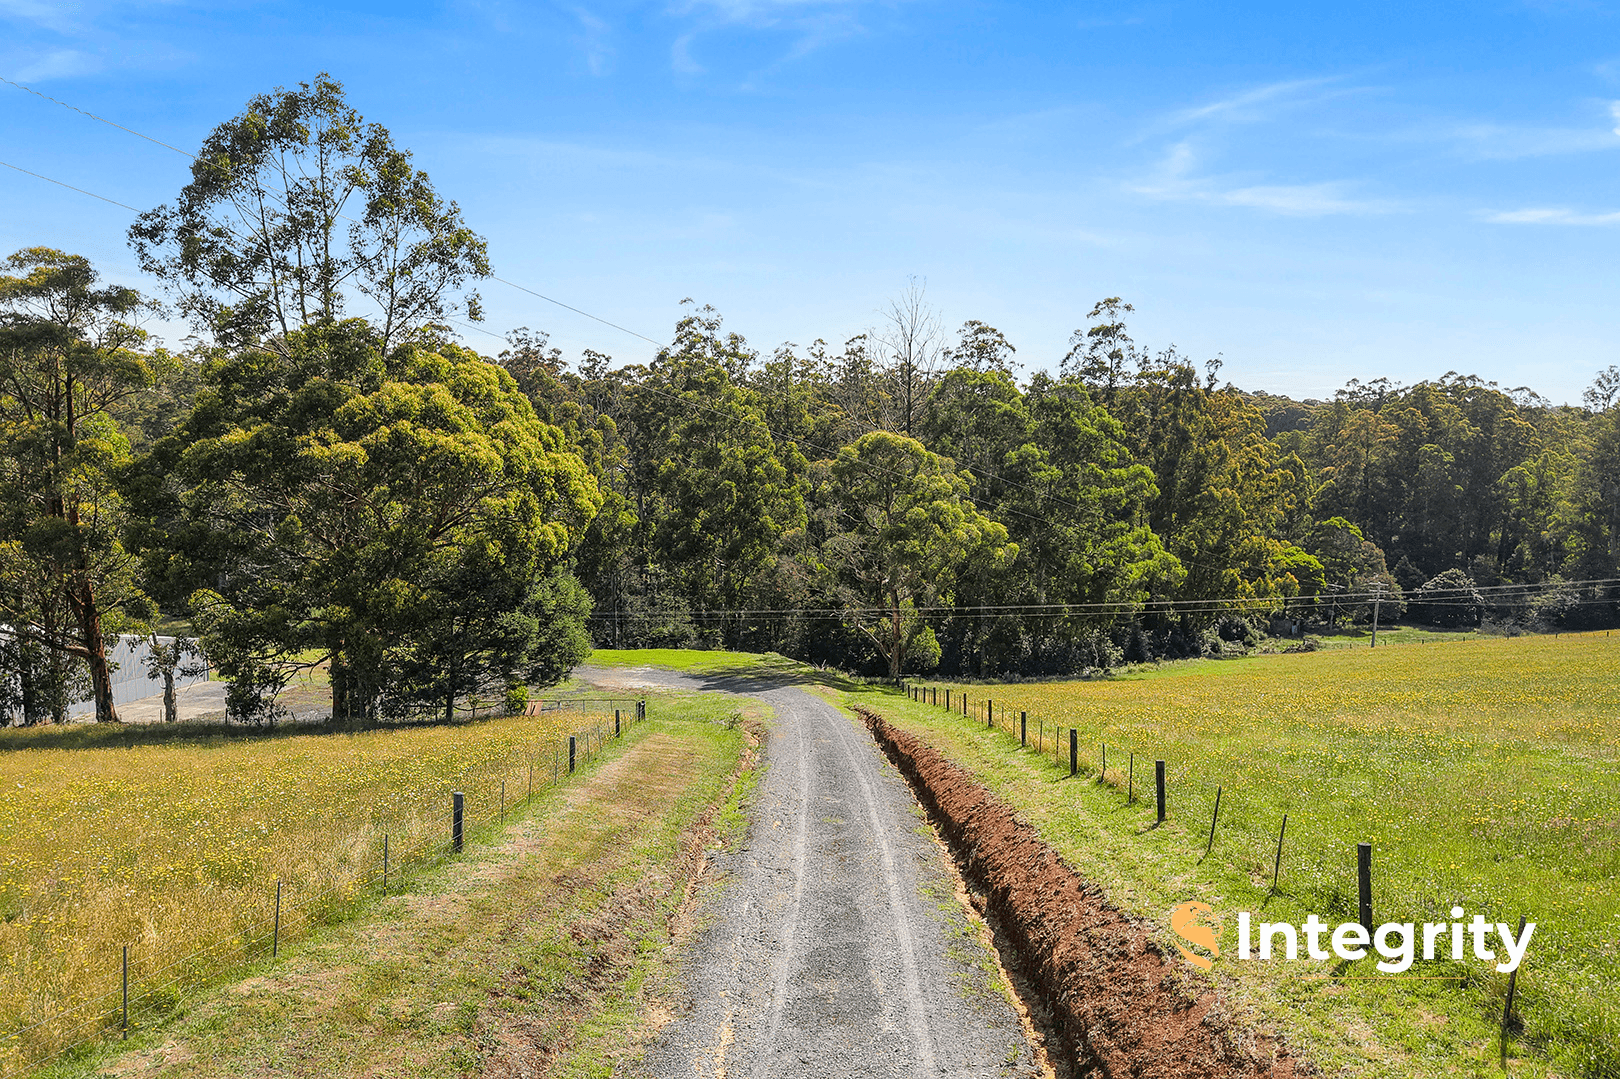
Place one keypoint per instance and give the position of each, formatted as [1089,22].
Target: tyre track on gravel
[835,947]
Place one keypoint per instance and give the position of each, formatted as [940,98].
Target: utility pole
[1378,594]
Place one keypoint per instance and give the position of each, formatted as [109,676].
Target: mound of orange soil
[1117,1006]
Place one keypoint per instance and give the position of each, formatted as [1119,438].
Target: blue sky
[1315,192]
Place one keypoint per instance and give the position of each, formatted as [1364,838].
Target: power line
[195,158]
[577,311]
[93,116]
[70,187]
[1440,597]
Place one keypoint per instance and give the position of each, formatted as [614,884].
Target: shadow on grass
[192,732]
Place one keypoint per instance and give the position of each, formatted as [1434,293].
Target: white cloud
[58,64]
[680,56]
[593,41]
[1302,200]
[814,23]
[57,17]
[1495,142]
[1614,114]
[1551,216]
[1174,182]
[1243,106]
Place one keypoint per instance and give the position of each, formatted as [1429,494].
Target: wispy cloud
[1250,105]
[1496,142]
[813,24]
[41,13]
[1175,181]
[1552,216]
[57,64]
[593,40]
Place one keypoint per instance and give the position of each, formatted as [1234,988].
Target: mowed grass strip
[1486,774]
[700,661]
[170,840]
[535,953]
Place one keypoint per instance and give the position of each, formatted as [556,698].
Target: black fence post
[1023,728]
[457,804]
[1507,1007]
[571,751]
[1074,751]
[1158,780]
[616,723]
[1277,867]
[1212,819]
[989,713]
[1130,780]
[1102,773]
[1364,886]
[385,863]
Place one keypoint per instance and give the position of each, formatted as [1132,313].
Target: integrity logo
[1397,943]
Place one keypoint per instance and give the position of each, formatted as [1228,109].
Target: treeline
[326,477]
[1129,507]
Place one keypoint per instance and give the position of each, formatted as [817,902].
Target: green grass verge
[697,661]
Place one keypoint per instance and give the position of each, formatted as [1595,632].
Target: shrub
[1450,599]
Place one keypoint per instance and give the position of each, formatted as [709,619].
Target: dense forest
[328,475]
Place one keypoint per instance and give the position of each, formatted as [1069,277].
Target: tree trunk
[82,599]
[101,683]
[338,675]
[33,707]
[896,649]
[171,706]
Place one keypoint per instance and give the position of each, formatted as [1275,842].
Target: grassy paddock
[170,839]
[1484,774]
[536,953]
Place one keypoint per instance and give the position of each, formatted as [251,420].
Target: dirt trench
[1115,1005]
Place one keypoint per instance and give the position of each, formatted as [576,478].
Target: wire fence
[147,983]
[1168,786]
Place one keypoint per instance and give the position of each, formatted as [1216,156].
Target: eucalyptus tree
[70,352]
[300,212]
[404,517]
[905,533]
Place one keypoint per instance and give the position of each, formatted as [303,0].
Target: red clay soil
[1117,1006]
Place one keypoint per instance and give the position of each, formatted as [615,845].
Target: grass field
[696,661]
[1486,774]
[171,840]
[534,953]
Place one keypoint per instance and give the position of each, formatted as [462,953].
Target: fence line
[1015,723]
[403,864]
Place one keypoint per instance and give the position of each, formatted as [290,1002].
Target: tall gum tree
[70,352]
[906,531]
[298,213]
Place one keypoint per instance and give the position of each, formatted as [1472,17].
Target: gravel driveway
[835,946]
